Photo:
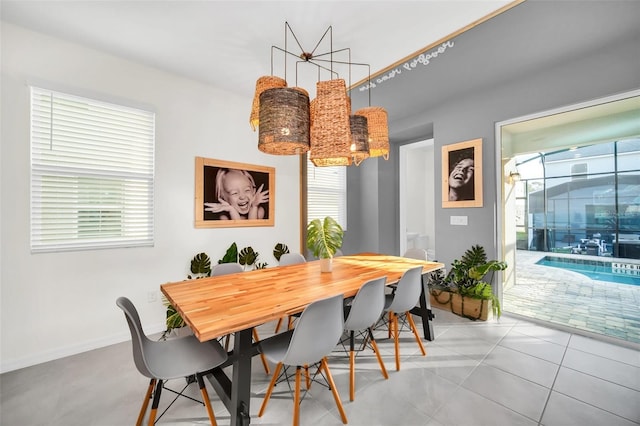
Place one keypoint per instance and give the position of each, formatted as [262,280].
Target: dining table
[236,303]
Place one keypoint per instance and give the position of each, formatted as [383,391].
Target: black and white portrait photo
[233,194]
[461,178]
[462,174]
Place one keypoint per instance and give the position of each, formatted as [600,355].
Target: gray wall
[363,196]
[580,77]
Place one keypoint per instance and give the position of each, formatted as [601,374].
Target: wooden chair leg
[415,332]
[290,323]
[278,325]
[307,376]
[296,399]
[352,366]
[374,345]
[352,375]
[396,340]
[155,403]
[270,389]
[145,403]
[205,399]
[256,339]
[334,390]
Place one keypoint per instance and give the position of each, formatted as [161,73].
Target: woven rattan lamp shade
[378,130]
[330,130]
[284,121]
[263,83]
[359,138]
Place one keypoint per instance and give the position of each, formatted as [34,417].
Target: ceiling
[228,44]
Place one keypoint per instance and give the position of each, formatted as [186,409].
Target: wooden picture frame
[464,189]
[225,193]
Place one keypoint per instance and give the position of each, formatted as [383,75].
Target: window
[327,193]
[598,201]
[92,167]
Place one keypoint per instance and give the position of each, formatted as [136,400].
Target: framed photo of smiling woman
[462,174]
[232,194]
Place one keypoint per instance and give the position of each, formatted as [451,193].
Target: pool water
[596,270]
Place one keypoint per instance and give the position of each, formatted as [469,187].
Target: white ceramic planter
[326,265]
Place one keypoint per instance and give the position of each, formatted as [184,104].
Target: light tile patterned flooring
[495,373]
[571,299]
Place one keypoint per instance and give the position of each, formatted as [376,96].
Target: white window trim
[93,159]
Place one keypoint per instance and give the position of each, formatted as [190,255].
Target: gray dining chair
[234,268]
[361,314]
[226,268]
[398,305]
[170,359]
[285,260]
[315,336]
[416,253]
[291,259]
[412,253]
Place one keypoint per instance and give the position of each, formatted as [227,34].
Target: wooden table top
[220,305]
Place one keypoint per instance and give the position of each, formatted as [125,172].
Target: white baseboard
[39,358]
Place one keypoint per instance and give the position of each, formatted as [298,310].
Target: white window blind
[327,193]
[92,170]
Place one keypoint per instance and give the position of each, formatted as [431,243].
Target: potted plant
[324,238]
[200,268]
[467,288]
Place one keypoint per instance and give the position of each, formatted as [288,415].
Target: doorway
[417,193]
[556,196]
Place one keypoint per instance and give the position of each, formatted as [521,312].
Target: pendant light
[284,121]
[330,129]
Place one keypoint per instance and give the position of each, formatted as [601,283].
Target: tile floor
[506,372]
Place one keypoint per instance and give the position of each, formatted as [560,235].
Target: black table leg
[241,379]
[235,393]
[424,310]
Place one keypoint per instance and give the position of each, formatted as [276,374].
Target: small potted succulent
[324,238]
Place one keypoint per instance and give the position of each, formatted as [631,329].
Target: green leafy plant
[324,237]
[200,266]
[231,255]
[173,320]
[470,276]
[279,250]
[247,256]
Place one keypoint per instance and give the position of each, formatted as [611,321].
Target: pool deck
[572,299]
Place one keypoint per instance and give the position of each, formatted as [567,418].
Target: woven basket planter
[475,309]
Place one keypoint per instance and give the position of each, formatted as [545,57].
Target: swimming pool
[597,270]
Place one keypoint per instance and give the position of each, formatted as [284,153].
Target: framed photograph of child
[462,174]
[230,194]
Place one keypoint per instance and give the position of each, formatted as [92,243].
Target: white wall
[57,304]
